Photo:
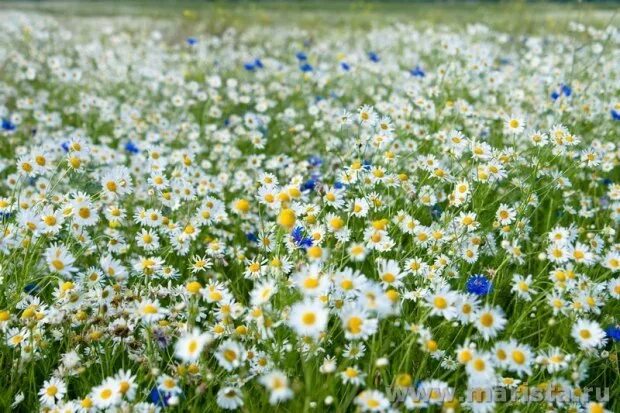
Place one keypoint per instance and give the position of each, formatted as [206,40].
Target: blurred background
[509,16]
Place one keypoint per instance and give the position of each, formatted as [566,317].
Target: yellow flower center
[479,364]
[518,357]
[486,319]
[149,309]
[51,390]
[354,325]
[440,303]
[230,355]
[308,318]
[58,265]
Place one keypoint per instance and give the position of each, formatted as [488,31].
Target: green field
[510,16]
[312,206]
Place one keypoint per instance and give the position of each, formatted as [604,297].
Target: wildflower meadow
[351,209]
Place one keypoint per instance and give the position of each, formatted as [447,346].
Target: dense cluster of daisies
[277,219]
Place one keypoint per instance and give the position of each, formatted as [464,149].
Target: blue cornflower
[417,72]
[306,67]
[7,125]
[338,185]
[566,90]
[301,56]
[251,237]
[366,165]
[613,332]
[297,233]
[249,66]
[615,115]
[315,160]
[31,288]
[345,66]
[191,41]
[65,146]
[308,185]
[258,63]
[373,57]
[479,285]
[158,397]
[300,239]
[131,147]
